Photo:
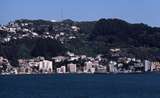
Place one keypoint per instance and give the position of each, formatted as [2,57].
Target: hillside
[30,38]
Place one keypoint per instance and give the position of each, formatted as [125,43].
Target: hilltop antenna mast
[61,14]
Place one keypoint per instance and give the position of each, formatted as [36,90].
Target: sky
[133,11]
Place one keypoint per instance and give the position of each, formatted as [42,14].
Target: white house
[62,69]
[59,58]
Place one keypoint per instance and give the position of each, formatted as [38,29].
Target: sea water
[81,86]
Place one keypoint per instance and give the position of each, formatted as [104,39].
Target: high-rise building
[45,66]
[147,65]
[112,66]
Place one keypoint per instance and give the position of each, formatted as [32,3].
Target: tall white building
[89,67]
[72,68]
[153,67]
[45,66]
[147,65]
[112,66]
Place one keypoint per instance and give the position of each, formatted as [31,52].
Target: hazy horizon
[137,11]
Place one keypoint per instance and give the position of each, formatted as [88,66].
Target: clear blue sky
[134,11]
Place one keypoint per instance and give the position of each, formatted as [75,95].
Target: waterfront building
[92,70]
[101,69]
[156,66]
[88,67]
[58,70]
[62,69]
[23,70]
[45,66]
[138,66]
[112,66]
[153,66]
[147,65]
[14,71]
[72,68]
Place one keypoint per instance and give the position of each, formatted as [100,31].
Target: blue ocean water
[81,86]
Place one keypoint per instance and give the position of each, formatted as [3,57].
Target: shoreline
[79,73]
